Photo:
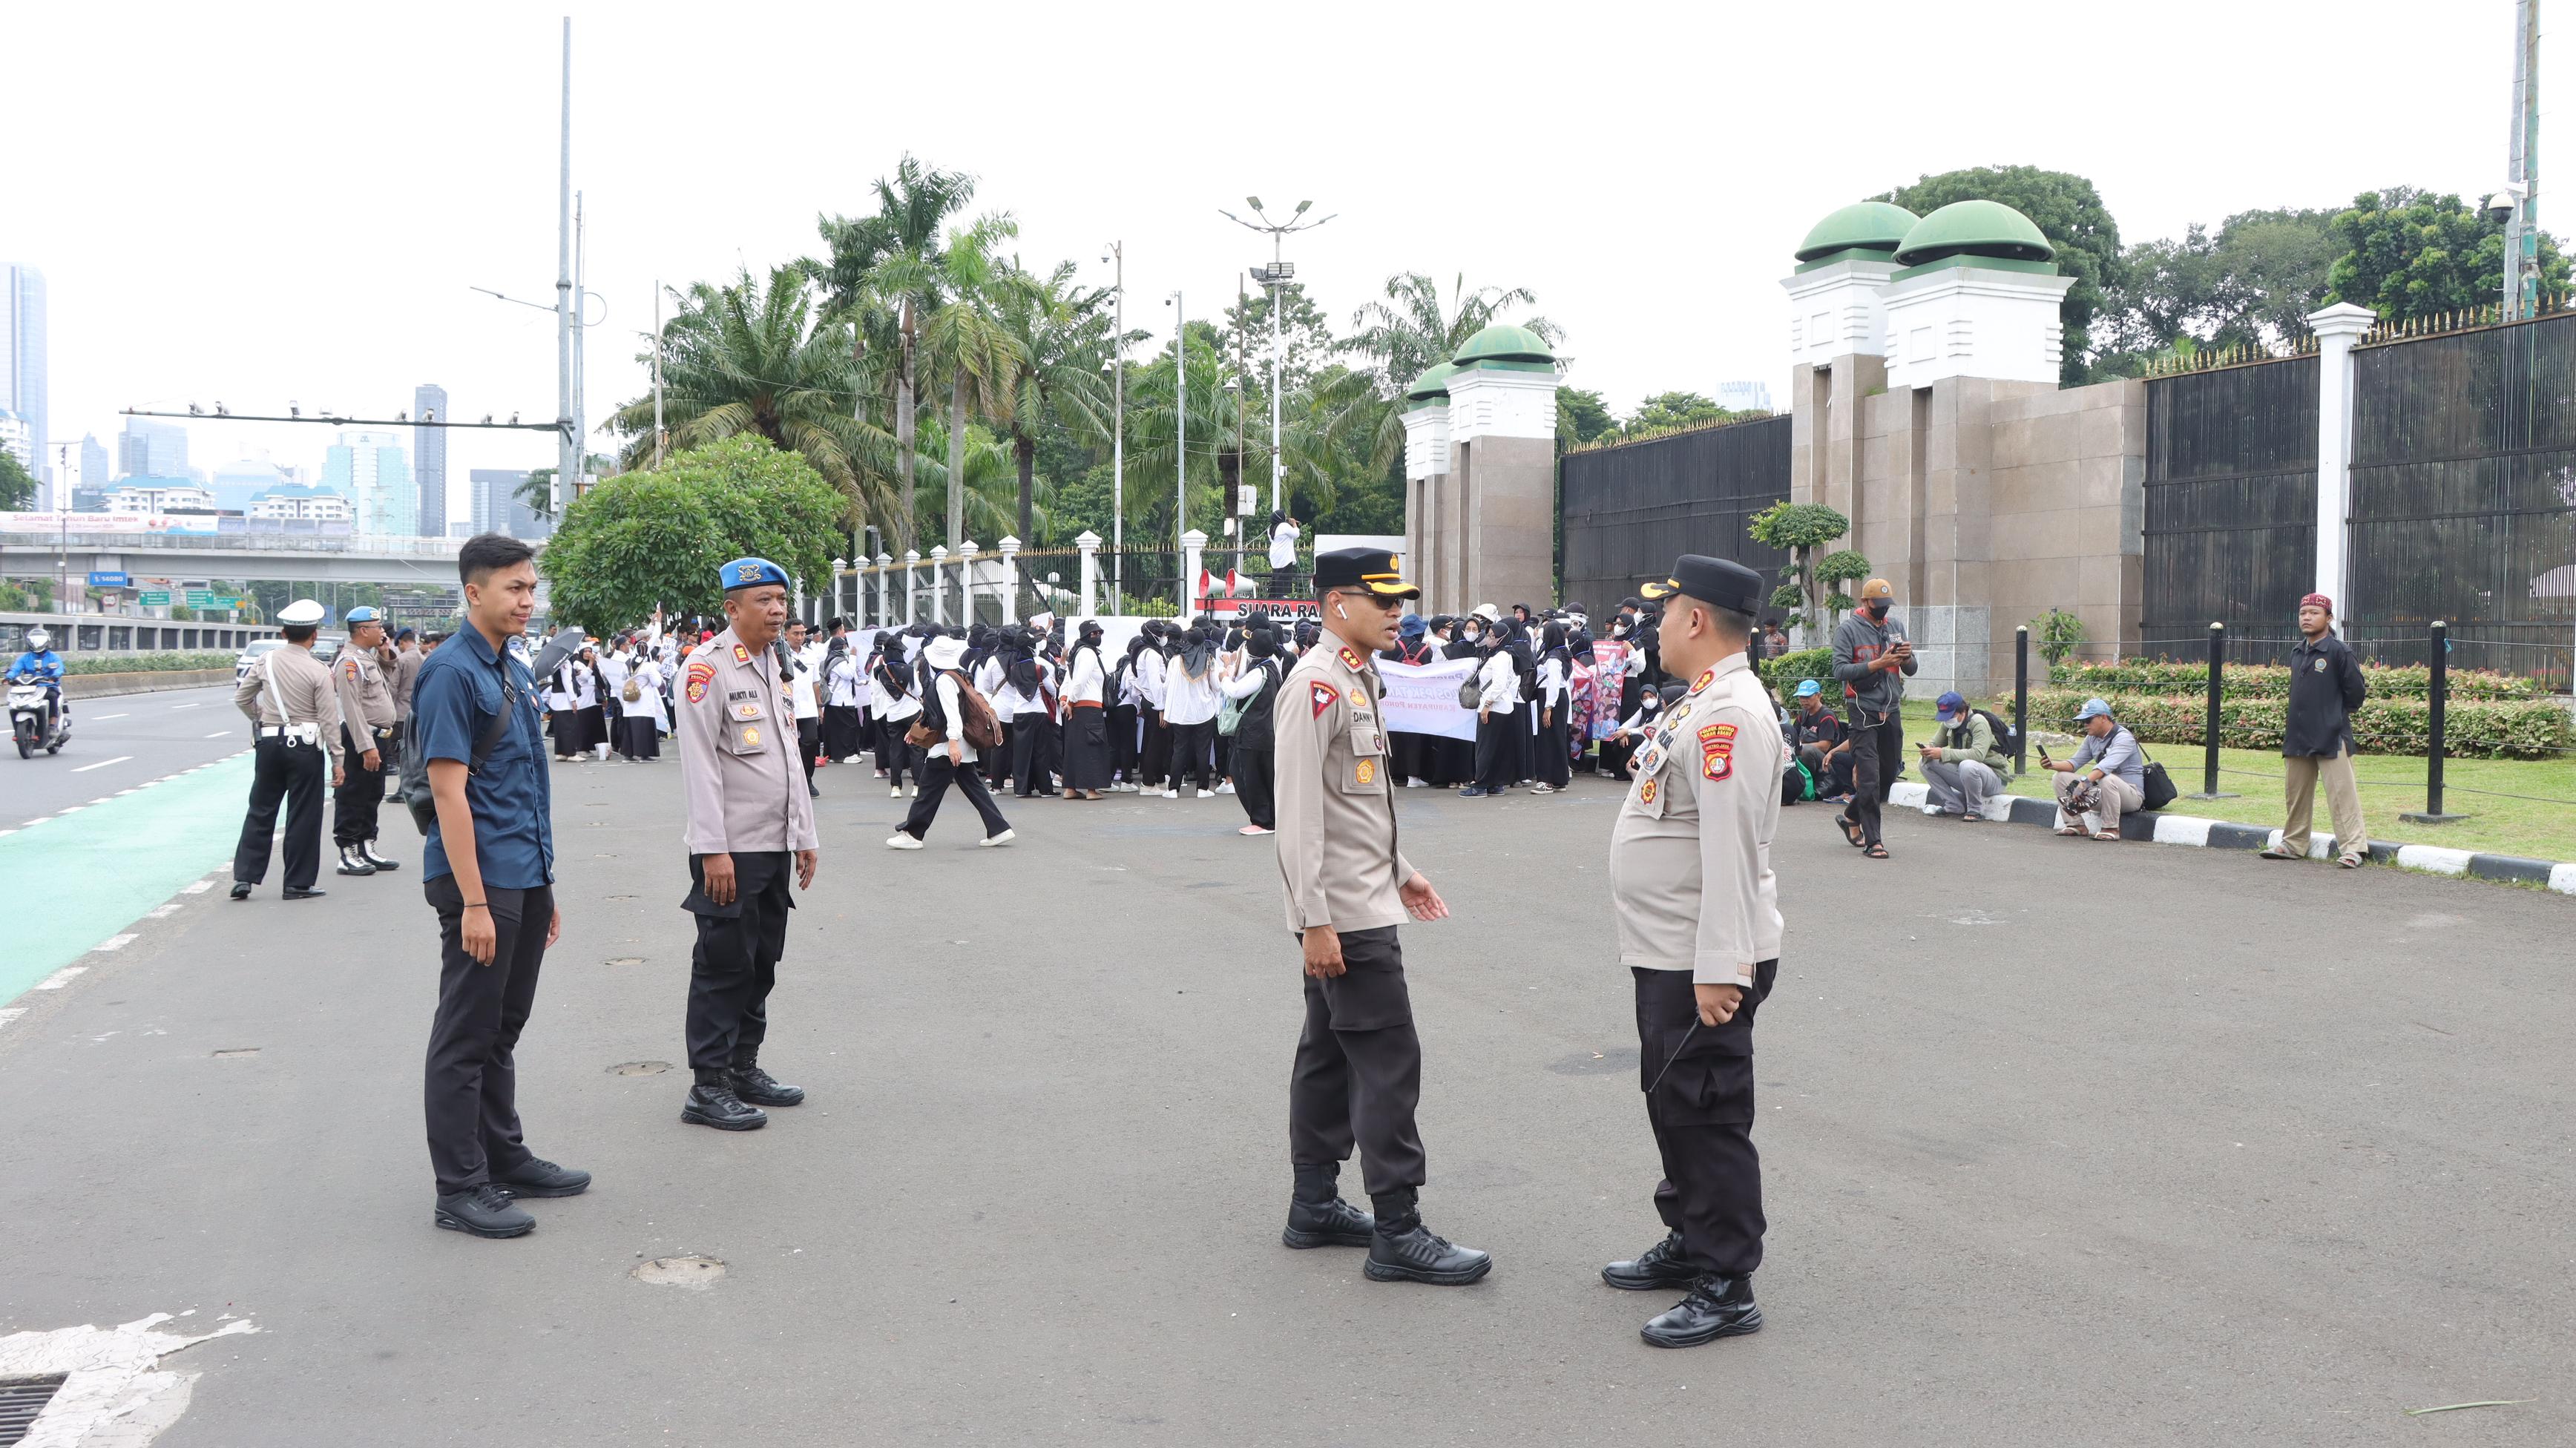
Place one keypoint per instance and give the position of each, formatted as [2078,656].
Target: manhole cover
[236,1052]
[626,960]
[639,1068]
[694,1272]
[21,1399]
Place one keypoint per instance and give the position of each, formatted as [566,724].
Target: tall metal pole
[2528,68]
[580,347]
[1278,295]
[1118,444]
[1181,434]
[565,444]
[1243,518]
[658,439]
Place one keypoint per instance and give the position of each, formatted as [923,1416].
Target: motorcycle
[27,710]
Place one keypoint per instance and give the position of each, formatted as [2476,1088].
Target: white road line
[102,764]
[102,799]
[115,942]
[103,718]
[60,978]
[163,912]
[11,1014]
[218,734]
[184,706]
[196,887]
[4,833]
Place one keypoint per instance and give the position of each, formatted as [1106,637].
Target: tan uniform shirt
[1337,844]
[305,683]
[1690,854]
[744,786]
[407,664]
[366,695]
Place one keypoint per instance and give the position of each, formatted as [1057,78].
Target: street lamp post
[1117,255]
[1181,432]
[568,449]
[1275,276]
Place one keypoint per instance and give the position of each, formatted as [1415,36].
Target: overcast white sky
[263,202]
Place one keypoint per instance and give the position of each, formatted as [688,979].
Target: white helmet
[37,639]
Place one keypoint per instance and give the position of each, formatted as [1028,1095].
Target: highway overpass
[275,557]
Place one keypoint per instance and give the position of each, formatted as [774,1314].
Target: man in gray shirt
[2106,779]
[1872,659]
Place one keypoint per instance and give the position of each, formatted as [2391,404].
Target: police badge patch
[1646,792]
[1322,696]
[1717,752]
[750,737]
[1368,771]
[700,675]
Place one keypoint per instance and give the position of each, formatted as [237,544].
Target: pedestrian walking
[1872,658]
[487,871]
[2317,742]
[750,824]
[946,698]
[1699,928]
[894,695]
[295,741]
[368,745]
[1358,1072]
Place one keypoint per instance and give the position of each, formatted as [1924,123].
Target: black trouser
[283,769]
[1032,755]
[1702,1117]
[1359,1067]
[1155,761]
[1192,756]
[1555,766]
[996,762]
[362,790]
[1833,772]
[841,726]
[1086,748]
[809,742]
[896,756]
[1253,785]
[736,961]
[1877,752]
[937,775]
[1497,756]
[470,1089]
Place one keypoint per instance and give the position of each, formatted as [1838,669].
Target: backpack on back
[982,729]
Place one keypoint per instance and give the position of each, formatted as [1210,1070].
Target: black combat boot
[1717,1307]
[1317,1215]
[484,1211]
[712,1103]
[760,1088]
[367,852]
[1402,1249]
[1661,1265]
[353,863]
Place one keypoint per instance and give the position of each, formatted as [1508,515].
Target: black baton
[1677,1051]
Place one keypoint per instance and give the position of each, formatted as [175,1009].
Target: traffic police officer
[748,813]
[1359,1064]
[295,725]
[1699,926]
[367,740]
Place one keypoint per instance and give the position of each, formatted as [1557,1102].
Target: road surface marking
[115,942]
[11,1014]
[60,978]
[103,718]
[196,887]
[218,734]
[102,764]
[185,706]
[163,912]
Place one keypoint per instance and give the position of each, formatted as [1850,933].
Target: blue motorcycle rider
[42,665]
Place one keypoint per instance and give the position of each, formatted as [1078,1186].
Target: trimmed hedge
[2272,681]
[147,663]
[1784,672]
[2471,728]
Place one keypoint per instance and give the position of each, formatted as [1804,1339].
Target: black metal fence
[2464,497]
[1626,512]
[2230,525]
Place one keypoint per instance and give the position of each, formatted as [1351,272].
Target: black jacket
[2325,687]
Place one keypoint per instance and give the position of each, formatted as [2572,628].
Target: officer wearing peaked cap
[750,820]
[295,727]
[1359,1064]
[1699,928]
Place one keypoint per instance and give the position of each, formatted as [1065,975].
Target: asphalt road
[2065,1143]
[120,742]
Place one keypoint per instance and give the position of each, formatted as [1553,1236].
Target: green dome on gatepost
[1974,228]
[1432,386]
[1505,345]
[1862,226]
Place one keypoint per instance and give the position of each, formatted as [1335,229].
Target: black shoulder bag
[416,795]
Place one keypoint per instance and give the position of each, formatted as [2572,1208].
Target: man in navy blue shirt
[488,870]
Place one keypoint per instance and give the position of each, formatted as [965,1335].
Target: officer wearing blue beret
[750,817]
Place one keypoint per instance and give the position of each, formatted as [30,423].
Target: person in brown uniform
[1699,927]
[1358,1074]
[750,819]
[367,742]
[295,726]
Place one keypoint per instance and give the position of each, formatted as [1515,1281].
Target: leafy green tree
[1802,530]
[1671,411]
[757,358]
[1581,416]
[17,485]
[1059,336]
[2254,282]
[963,338]
[2410,253]
[2069,212]
[1306,341]
[659,535]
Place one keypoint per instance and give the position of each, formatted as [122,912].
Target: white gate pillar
[1193,547]
[2337,327]
[1010,547]
[885,585]
[939,583]
[1089,543]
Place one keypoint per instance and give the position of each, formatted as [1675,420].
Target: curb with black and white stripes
[2192,830]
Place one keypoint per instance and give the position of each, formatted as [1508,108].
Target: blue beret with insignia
[751,573]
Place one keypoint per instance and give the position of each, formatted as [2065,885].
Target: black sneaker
[305,892]
[1415,1254]
[1660,1265]
[485,1211]
[1334,1223]
[1717,1307]
[715,1105]
[760,1088]
[537,1177]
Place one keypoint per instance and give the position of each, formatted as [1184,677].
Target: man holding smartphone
[1873,659]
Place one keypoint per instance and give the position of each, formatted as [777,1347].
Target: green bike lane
[81,877]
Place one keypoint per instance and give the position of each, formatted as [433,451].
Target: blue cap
[751,573]
[360,614]
[2093,709]
[1949,707]
[1809,688]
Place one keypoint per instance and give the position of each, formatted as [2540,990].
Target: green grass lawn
[2539,825]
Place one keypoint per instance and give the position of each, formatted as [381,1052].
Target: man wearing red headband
[2325,687]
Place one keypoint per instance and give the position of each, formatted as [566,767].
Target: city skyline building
[18,440]
[497,508]
[372,472]
[24,385]
[429,450]
[299,502]
[151,449]
[1744,396]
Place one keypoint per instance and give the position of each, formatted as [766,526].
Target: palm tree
[886,269]
[963,338]
[1059,337]
[1151,479]
[983,486]
[1402,336]
[751,358]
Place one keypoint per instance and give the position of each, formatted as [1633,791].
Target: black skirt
[1086,748]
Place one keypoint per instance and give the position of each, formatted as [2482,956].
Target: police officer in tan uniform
[1699,927]
[1359,1064]
[295,726]
[750,819]
[367,741]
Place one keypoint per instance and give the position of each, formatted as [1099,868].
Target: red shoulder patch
[1706,678]
[1717,751]
[1322,695]
[1352,661]
[701,673]
[741,655]
[349,666]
